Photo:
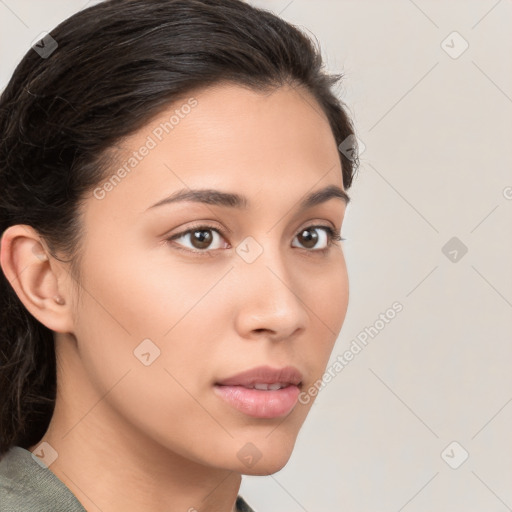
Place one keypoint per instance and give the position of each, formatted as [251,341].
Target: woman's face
[172,312]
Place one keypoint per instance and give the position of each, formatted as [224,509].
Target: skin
[131,437]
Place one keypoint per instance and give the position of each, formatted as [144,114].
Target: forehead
[228,137]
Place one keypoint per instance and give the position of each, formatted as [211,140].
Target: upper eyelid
[220,231]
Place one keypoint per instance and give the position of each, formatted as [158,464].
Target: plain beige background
[429,85]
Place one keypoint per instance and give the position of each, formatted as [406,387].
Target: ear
[40,281]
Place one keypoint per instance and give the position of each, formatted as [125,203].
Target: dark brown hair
[101,75]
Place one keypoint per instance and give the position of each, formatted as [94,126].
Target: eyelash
[332,235]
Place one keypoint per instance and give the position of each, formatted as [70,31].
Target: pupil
[311,239]
[203,237]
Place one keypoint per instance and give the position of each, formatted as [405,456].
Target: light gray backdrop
[420,418]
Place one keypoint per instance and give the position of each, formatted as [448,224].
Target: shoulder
[27,485]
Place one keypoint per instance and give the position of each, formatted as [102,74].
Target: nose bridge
[265,264]
[271,299]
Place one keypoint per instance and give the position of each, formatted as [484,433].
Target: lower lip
[260,403]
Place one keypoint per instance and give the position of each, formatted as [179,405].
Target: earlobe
[34,276]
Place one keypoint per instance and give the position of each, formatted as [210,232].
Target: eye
[309,237]
[199,238]
[204,239]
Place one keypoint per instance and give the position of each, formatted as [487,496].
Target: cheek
[330,292]
[327,303]
[145,345]
[335,299]
[148,309]
[144,295]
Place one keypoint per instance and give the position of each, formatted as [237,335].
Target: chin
[271,456]
[266,467]
[273,447]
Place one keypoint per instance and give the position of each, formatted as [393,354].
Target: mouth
[262,392]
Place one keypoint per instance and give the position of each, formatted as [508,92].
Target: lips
[262,392]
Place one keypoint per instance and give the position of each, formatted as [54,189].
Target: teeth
[266,387]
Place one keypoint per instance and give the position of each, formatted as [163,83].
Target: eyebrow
[232,200]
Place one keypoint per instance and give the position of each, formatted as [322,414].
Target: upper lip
[264,375]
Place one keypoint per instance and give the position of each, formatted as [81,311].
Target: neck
[111,466]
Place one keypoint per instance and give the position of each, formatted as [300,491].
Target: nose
[270,301]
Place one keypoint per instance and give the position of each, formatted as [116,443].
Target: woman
[171,206]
